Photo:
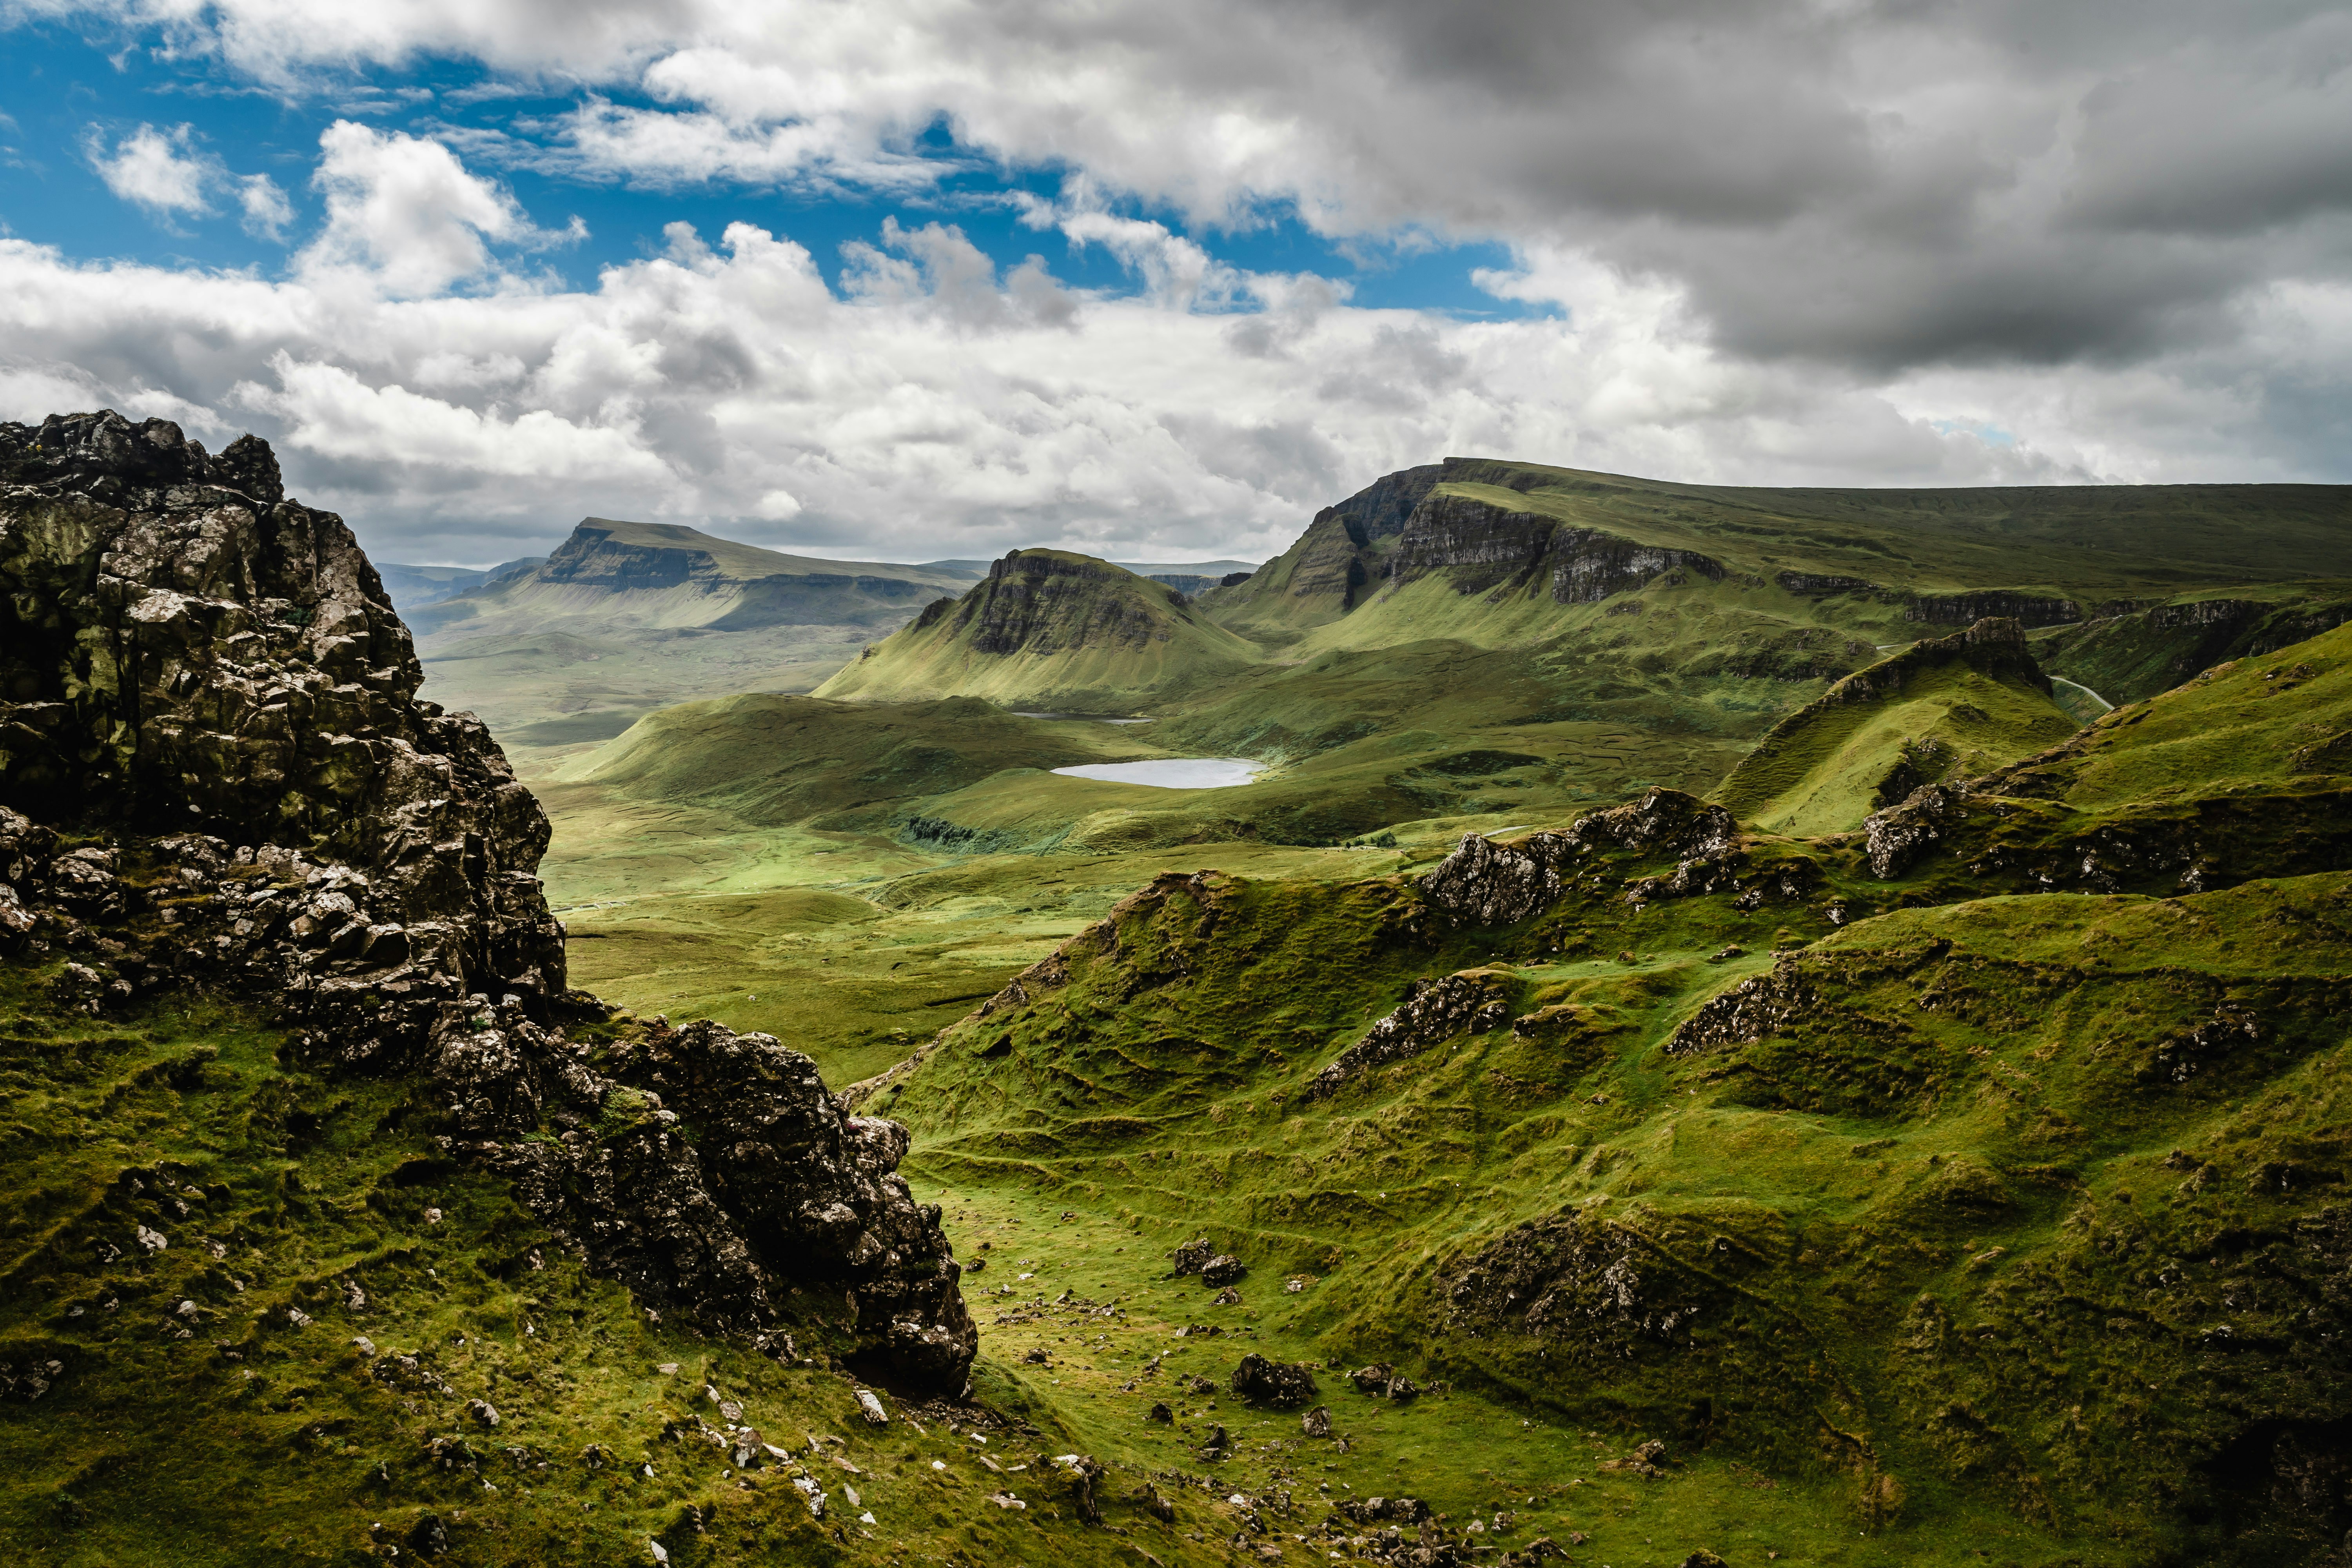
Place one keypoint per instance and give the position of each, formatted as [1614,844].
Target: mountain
[666,575]
[625,617]
[1334,565]
[1049,628]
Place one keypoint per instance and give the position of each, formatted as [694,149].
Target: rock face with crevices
[205,677]
[184,648]
[1486,882]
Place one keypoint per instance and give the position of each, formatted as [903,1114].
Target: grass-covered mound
[1957,706]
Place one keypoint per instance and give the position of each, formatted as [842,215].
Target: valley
[1721,1026]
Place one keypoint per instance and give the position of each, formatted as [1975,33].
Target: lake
[1173,773]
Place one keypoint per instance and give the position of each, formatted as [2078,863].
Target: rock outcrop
[205,677]
[184,648]
[1433,1012]
[1482,547]
[1486,883]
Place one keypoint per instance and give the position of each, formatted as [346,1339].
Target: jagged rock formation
[184,648]
[205,676]
[777,1184]
[1490,884]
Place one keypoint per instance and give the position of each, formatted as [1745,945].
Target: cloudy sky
[904,279]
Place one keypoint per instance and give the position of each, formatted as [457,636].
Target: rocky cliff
[1340,558]
[1482,546]
[215,772]
[1050,627]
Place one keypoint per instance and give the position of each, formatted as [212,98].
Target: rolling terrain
[1676,1060]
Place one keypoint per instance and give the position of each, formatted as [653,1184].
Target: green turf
[1937,710]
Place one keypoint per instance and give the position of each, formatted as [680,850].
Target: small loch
[1173,773]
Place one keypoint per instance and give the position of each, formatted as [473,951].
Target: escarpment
[1483,546]
[215,774]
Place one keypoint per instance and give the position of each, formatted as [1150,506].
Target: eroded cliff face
[214,774]
[1038,601]
[1482,547]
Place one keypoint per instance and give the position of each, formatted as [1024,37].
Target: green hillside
[770,761]
[1053,629]
[1958,707]
[1919,1193]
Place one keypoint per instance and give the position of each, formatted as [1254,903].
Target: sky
[903,280]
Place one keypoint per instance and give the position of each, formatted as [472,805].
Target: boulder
[1223,1269]
[1263,1381]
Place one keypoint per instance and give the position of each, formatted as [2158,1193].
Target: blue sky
[478,269]
[72,88]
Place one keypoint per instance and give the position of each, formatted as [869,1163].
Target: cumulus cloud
[1881,186]
[933,411]
[267,210]
[1799,241]
[157,170]
[167,173]
[403,214]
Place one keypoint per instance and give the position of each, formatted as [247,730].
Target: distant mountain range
[414,588]
[625,617]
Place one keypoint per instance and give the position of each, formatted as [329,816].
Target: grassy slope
[772,760]
[252,1438]
[1929,712]
[1935,1214]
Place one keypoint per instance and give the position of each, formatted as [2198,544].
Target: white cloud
[267,210]
[157,170]
[936,411]
[403,215]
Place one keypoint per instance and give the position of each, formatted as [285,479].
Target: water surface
[1173,773]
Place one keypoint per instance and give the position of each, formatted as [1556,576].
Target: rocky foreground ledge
[215,772]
